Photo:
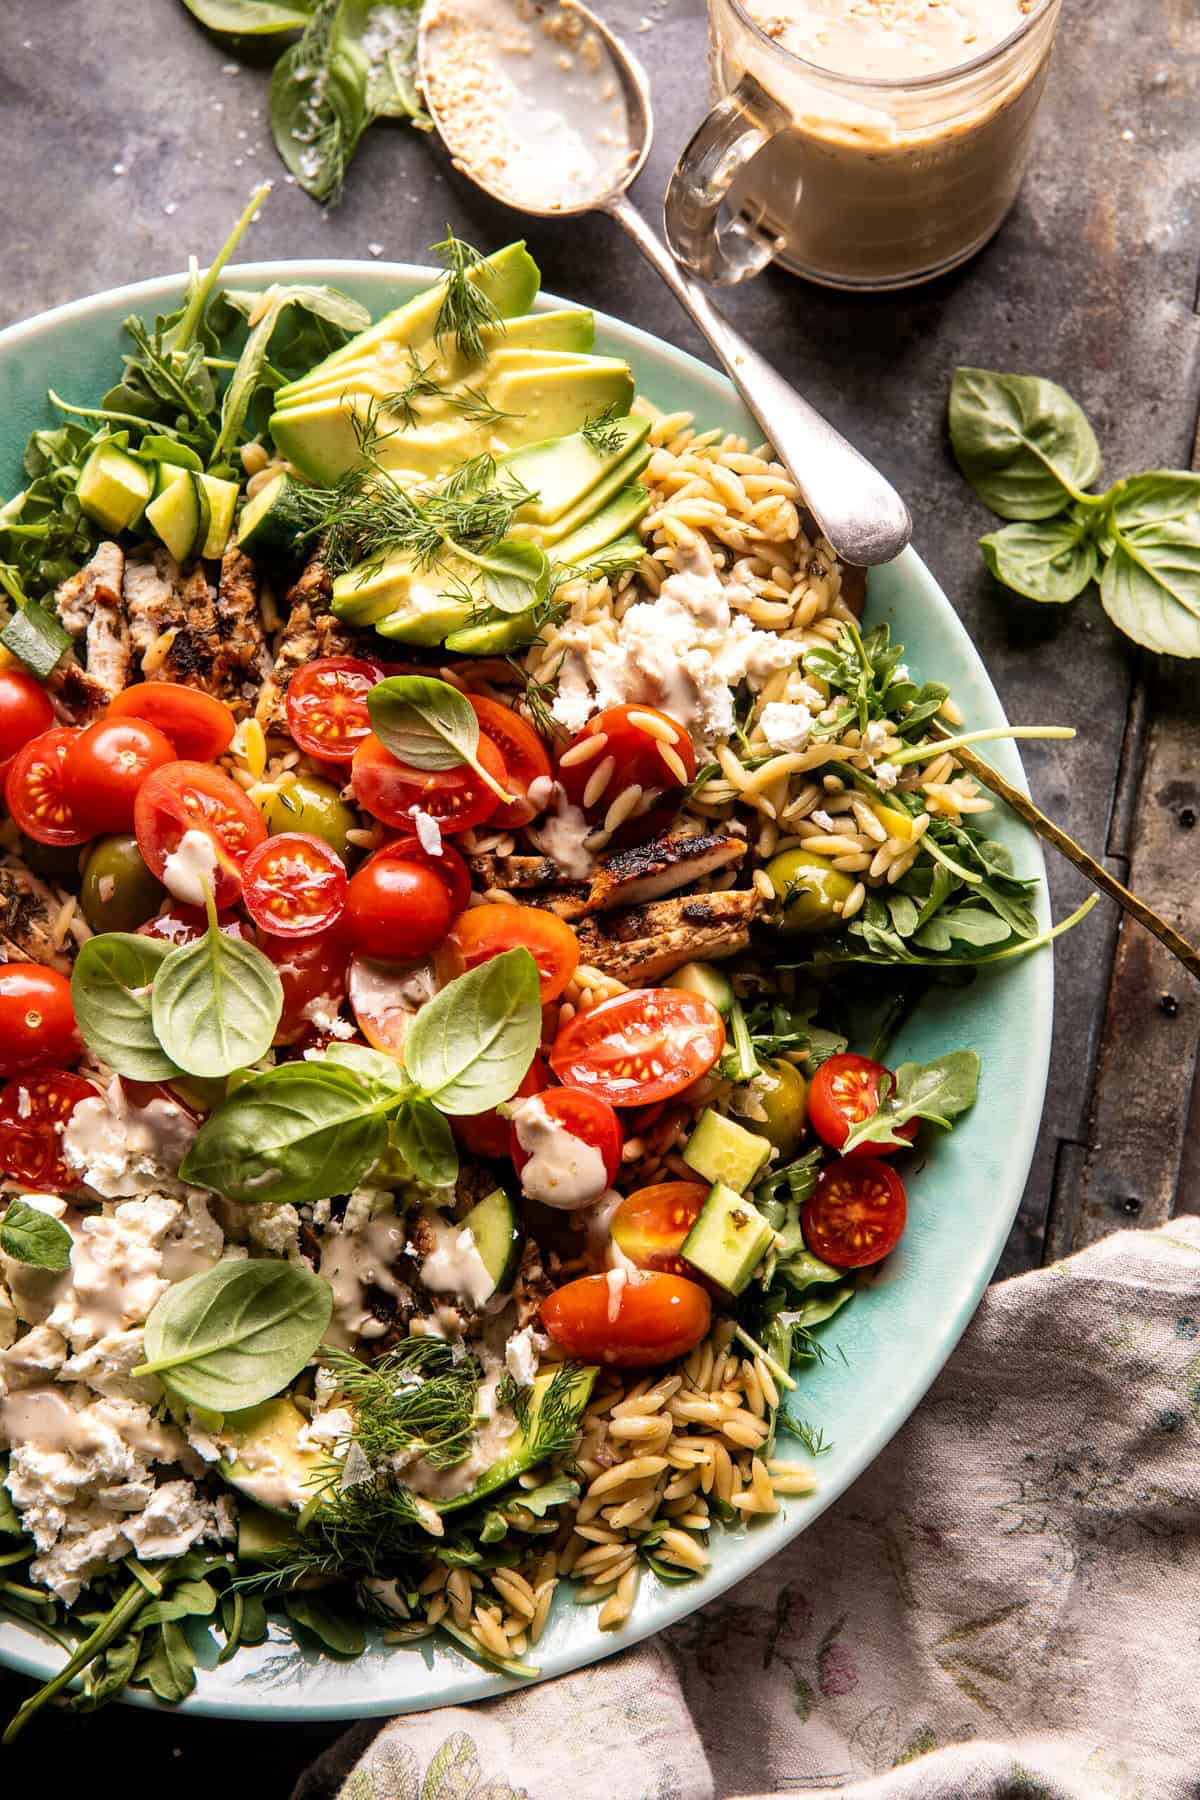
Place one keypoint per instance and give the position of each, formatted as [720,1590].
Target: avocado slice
[522,1450]
[724,1152]
[728,1240]
[410,601]
[562,470]
[509,277]
[619,476]
[550,400]
[606,525]
[271,1466]
[113,488]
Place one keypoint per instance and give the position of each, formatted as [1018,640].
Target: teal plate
[902,1327]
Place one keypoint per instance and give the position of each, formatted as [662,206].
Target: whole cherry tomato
[629,1324]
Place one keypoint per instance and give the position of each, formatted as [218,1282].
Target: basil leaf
[470,1046]
[111,993]
[1150,587]
[335,1630]
[251,18]
[1048,559]
[516,574]
[37,637]
[427,724]
[938,1091]
[425,1141]
[237,1334]
[304,1131]
[381,1071]
[1024,445]
[215,1004]
[33,1237]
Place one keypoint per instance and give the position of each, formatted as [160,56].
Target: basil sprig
[308,1130]
[238,1333]
[31,1236]
[1029,452]
[428,724]
[938,1091]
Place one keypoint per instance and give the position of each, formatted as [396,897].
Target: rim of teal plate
[740,1557]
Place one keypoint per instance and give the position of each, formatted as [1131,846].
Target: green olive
[815,891]
[118,892]
[314,806]
[783,1093]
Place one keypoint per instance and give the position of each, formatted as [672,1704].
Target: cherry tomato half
[524,756]
[294,885]
[637,755]
[199,725]
[649,1226]
[486,1133]
[397,909]
[843,1092]
[34,1110]
[37,1019]
[327,706]
[193,796]
[107,764]
[485,931]
[35,790]
[856,1214]
[585,1117]
[25,711]
[313,972]
[650,1319]
[385,999]
[641,1046]
[179,924]
[392,791]
[448,864]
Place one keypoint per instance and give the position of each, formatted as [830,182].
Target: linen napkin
[1006,1604]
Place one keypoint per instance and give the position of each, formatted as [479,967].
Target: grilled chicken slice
[90,606]
[643,944]
[153,596]
[28,914]
[311,631]
[194,655]
[626,878]
[247,661]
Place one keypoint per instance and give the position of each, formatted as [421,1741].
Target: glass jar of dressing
[862,143]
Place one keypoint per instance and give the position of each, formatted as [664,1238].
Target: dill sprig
[603,433]
[538,697]
[475,406]
[812,1437]
[466,307]
[553,1428]
[417,1398]
[420,385]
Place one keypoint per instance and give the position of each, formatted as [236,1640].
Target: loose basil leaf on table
[1021,441]
[1050,560]
[110,991]
[215,1004]
[470,1046]
[424,1139]
[427,724]
[33,1237]
[1150,586]
[939,1091]
[238,1333]
[251,18]
[301,1132]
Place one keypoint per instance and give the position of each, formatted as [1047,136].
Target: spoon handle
[860,513]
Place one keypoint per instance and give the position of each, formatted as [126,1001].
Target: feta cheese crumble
[786,726]
[429,832]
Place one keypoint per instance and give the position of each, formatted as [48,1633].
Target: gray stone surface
[1092,281]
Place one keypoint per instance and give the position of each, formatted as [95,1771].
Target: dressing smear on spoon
[527,100]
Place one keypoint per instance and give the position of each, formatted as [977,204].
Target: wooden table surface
[132,140]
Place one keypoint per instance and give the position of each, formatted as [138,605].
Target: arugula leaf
[1024,445]
[303,1131]
[238,1333]
[425,1141]
[31,1236]
[169,1669]
[938,1091]
[215,1004]
[1044,559]
[267,311]
[335,1629]
[559,1491]
[428,724]
[110,992]
[470,1046]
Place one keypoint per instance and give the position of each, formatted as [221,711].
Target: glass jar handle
[735,130]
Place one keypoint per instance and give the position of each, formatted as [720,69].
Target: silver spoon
[545,110]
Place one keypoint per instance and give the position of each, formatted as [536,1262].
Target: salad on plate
[466,857]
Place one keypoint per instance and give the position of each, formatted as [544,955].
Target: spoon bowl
[544,108]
